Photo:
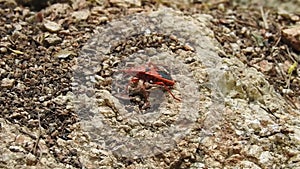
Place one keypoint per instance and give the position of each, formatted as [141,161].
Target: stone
[64,54]
[7,83]
[52,40]
[81,15]
[31,159]
[51,26]
[292,36]
[3,49]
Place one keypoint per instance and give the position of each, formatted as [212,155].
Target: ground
[249,99]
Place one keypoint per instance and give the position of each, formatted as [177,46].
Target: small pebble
[51,26]
[53,40]
[31,159]
[3,49]
[81,15]
[6,82]
[64,54]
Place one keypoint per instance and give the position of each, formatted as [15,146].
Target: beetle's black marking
[165,75]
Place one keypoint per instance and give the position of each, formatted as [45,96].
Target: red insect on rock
[147,76]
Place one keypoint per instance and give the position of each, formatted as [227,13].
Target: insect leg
[167,88]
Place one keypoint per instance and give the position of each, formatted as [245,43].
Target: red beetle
[152,75]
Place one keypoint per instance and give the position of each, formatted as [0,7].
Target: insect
[147,76]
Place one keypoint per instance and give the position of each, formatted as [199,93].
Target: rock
[3,49]
[22,140]
[296,136]
[9,2]
[247,164]
[62,99]
[58,8]
[241,111]
[43,147]
[294,160]
[31,159]
[265,66]
[61,142]
[7,83]
[17,149]
[63,54]
[103,19]
[291,36]
[20,86]
[51,26]
[248,49]
[52,39]
[126,3]
[81,15]
[265,157]
[253,151]
[198,165]
[18,27]
[97,10]
[235,47]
